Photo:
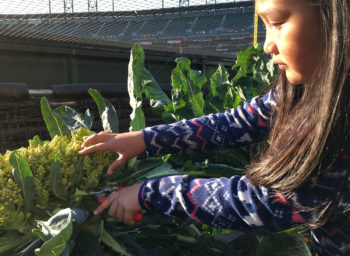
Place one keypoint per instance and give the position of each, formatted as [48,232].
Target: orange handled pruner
[101,194]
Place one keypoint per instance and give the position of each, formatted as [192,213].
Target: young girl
[303,175]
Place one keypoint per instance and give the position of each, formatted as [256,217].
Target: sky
[57,6]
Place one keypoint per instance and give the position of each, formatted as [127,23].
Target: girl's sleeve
[231,203]
[236,203]
[238,127]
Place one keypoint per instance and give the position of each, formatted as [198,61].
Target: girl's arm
[232,203]
[238,127]
[236,203]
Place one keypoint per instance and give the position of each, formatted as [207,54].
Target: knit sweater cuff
[141,197]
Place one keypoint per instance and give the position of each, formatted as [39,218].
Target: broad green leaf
[207,245]
[88,119]
[242,93]
[37,141]
[195,94]
[245,61]
[56,246]
[243,80]
[10,240]
[108,240]
[54,123]
[286,243]
[131,175]
[73,119]
[264,73]
[254,72]
[132,246]
[237,158]
[138,122]
[219,84]
[55,178]
[187,89]
[136,71]
[211,170]
[135,77]
[23,177]
[38,233]
[109,117]
[56,231]
[157,97]
[244,87]
[164,169]
[27,248]
[88,240]
[222,170]
[232,99]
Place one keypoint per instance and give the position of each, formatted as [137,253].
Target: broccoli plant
[45,207]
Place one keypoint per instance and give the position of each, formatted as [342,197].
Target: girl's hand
[123,205]
[127,145]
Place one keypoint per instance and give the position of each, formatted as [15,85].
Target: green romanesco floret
[39,158]
[94,165]
[11,200]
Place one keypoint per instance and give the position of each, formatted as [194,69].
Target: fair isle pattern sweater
[236,203]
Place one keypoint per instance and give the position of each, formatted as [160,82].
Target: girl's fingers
[95,148]
[97,138]
[120,214]
[101,208]
[93,139]
[106,203]
[88,150]
[105,132]
[129,218]
[113,209]
[116,164]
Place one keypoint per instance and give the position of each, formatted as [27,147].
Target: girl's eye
[275,25]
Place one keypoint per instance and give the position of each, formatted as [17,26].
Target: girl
[302,176]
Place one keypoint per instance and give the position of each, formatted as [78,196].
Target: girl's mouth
[282,66]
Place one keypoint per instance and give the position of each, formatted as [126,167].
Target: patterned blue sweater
[236,203]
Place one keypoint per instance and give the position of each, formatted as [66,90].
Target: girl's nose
[270,46]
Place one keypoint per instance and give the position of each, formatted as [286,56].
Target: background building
[44,44]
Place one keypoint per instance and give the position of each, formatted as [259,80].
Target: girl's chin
[294,78]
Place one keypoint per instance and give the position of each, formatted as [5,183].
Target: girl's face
[293,36]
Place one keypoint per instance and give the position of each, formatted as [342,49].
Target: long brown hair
[311,124]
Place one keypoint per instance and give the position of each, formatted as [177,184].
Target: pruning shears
[101,194]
